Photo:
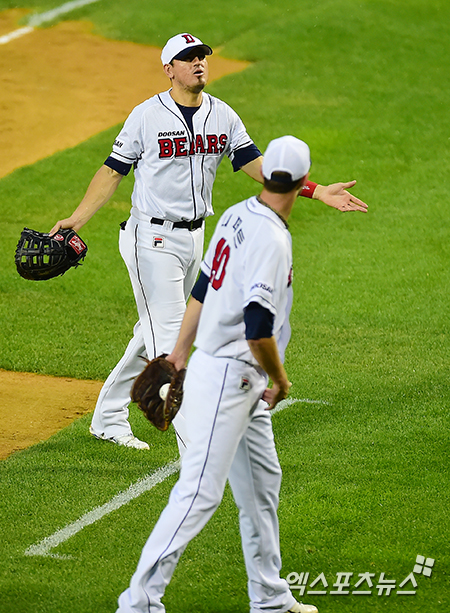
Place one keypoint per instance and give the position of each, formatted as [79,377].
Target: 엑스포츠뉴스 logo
[361,584]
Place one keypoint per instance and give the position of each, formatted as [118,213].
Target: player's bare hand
[273,395]
[337,196]
[62,225]
[178,361]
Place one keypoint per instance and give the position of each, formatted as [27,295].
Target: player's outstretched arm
[253,169]
[265,351]
[337,196]
[101,188]
[186,337]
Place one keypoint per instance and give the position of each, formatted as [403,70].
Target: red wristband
[308,189]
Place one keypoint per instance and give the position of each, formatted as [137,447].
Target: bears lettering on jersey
[180,146]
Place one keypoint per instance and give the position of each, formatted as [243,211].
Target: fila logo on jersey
[179,146]
[158,242]
[245,384]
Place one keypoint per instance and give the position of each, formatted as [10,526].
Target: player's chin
[198,87]
[199,82]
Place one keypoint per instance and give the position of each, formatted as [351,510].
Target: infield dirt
[58,87]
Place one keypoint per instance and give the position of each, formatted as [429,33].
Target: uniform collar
[168,101]
[261,201]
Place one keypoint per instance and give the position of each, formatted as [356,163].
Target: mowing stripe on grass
[44,547]
[39,19]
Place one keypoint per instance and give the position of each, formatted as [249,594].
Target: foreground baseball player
[238,315]
[175,142]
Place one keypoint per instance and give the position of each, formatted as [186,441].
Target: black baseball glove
[158,391]
[40,256]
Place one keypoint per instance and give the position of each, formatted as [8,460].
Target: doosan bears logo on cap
[180,45]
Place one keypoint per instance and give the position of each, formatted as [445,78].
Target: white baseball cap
[286,154]
[178,46]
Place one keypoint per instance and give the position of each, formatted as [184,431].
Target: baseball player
[238,314]
[174,141]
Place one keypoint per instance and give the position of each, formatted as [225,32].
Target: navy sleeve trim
[200,288]
[244,156]
[258,322]
[121,167]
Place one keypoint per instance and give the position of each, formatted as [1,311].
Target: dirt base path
[61,85]
[58,87]
[33,407]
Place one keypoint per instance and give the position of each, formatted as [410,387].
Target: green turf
[366,485]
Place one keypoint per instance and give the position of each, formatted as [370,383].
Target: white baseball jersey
[175,169]
[249,259]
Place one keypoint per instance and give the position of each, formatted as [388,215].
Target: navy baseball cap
[180,45]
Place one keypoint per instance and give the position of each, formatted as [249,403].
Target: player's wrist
[280,379]
[284,387]
[309,190]
[179,360]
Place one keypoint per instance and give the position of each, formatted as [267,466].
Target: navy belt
[189,225]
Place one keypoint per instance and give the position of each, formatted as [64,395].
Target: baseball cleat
[126,440]
[130,441]
[299,607]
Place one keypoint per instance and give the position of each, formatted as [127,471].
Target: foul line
[44,547]
[39,19]
[143,485]
[288,401]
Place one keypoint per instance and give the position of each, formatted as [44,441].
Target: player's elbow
[256,344]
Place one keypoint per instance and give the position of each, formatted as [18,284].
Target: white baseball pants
[229,436]
[163,264]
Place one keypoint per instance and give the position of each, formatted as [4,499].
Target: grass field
[365,471]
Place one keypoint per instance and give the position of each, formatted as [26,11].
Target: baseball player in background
[238,315]
[175,142]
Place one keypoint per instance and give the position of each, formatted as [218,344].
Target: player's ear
[301,183]
[168,69]
[305,179]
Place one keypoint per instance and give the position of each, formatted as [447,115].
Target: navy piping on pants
[143,291]
[199,481]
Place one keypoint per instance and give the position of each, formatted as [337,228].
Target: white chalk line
[41,18]
[288,401]
[44,547]
[15,34]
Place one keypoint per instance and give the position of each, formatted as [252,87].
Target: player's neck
[281,204]
[186,97]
